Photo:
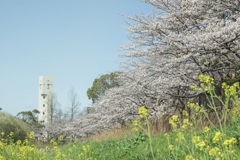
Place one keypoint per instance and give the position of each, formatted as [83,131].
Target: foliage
[10,124]
[101,84]
[31,118]
[28,116]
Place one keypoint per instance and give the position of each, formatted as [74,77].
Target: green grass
[137,148]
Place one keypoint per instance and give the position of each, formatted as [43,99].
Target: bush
[9,124]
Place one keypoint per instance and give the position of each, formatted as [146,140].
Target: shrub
[10,124]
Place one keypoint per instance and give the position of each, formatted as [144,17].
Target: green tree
[101,84]
[9,123]
[30,118]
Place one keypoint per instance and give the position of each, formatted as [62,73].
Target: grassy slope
[130,148]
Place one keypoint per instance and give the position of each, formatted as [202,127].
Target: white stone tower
[45,98]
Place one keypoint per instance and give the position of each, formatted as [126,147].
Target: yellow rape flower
[217,137]
[58,156]
[174,117]
[185,123]
[230,142]
[80,155]
[234,111]
[88,148]
[194,106]
[194,87]
[31,135]
[180,137]
[53,143]
[201,145]
[185,113]
[1,157]
[206,129]
[170,147]
[143,112]
[232,90]
[19,142]
[189,157]
[135,123]
[191,105]
[214,151]
[135,129]
[236,84]
[205,79]
[224,85]
[84,148]
[61,138]
[173,121]
[196,139]
[1,145]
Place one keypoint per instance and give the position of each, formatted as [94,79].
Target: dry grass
[158,126]
[111,134]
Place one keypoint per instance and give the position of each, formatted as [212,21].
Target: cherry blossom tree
[169,48]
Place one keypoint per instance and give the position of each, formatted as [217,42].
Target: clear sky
[75,41]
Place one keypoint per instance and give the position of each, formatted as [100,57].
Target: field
[208,144]
[200,133]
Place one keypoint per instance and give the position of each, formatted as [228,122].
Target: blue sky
[75,41]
